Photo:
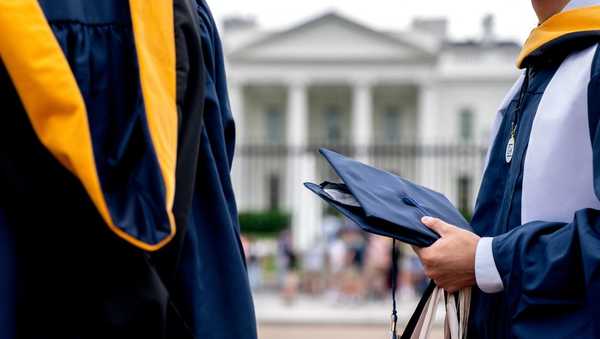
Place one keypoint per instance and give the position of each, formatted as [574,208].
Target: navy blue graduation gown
[543,207]
[149,247]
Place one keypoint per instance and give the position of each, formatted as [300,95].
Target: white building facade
[411,102]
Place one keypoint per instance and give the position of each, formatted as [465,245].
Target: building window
[274,125]
[274,190]
[333,125]
[466,124]
[391,125]
[464,194]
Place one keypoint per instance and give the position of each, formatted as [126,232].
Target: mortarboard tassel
[393,329]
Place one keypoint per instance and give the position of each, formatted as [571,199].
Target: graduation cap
[383,203]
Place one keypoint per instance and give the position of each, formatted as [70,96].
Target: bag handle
[457,315]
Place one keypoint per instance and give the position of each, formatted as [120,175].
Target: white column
[429,169]
[362,119]
[428,110]
[304,206]
[236,102]
[297,115]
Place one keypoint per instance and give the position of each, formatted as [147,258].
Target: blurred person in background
[412,277]
[536,269]
[253,262]
[288,262]
[356,241]
[117,215]
[352,282]
[336,254]
[332,223]
[313,268]
[378,261]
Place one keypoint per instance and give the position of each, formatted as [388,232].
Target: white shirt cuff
[486,274]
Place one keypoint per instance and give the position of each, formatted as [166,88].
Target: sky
[514,18]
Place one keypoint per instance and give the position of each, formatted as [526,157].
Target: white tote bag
[456,318]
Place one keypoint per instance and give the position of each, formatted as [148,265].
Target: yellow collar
[584,19]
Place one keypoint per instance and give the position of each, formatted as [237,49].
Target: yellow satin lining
[572,21]
[54,104]
[154,32]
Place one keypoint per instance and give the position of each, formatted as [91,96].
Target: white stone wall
[482,98]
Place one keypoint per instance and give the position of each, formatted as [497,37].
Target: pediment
[330,38]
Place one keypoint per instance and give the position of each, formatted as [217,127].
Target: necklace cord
[523,92]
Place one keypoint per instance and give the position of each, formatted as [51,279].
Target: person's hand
[450,261]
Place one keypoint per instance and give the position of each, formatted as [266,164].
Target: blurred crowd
[345,265]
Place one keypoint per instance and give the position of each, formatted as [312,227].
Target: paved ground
[271,331]
[321,318]
[270,309]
